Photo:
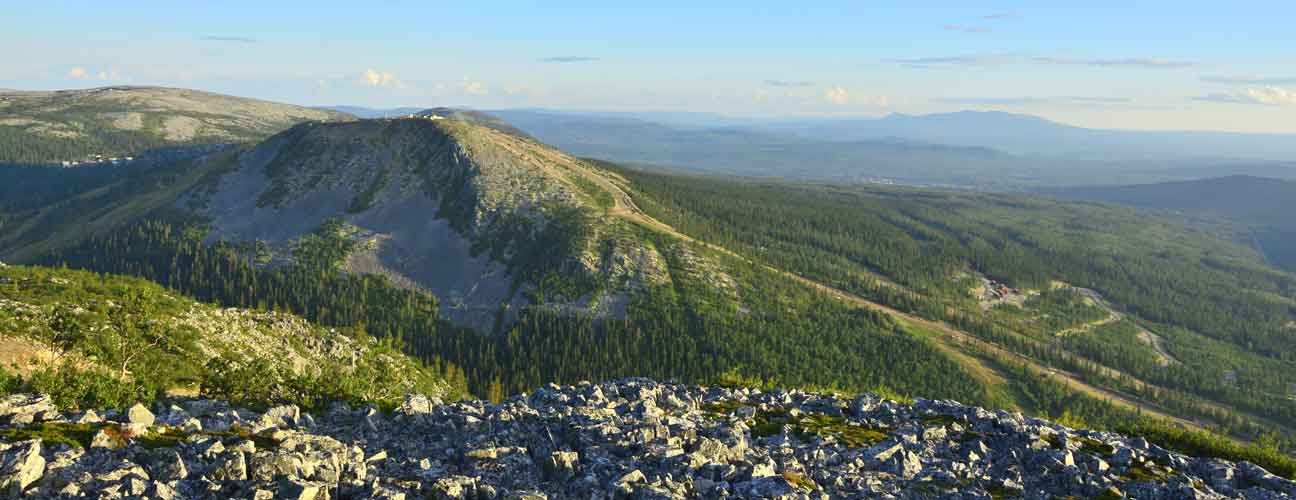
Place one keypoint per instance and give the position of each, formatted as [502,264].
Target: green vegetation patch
[805,426]
[77,435]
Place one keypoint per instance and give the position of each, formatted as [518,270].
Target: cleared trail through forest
[952,340]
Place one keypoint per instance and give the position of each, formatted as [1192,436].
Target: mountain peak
[412,194]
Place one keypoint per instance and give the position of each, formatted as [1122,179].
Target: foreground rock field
[633,438]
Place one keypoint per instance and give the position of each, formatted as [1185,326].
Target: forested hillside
[700,314]
[1259,207]
[97,341]
[1139,304]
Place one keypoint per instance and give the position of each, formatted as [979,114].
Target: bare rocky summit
[632,438]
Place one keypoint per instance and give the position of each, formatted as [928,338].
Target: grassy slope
[117,340]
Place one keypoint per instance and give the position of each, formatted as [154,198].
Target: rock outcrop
[632,438]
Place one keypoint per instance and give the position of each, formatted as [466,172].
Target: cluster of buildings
[98,159]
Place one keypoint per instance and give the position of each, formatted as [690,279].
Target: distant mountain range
[983,150]
[1033,136]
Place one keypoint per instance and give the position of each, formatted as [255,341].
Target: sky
[1181,65]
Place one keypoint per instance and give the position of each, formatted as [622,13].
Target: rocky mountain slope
[69,125]
[523,223]
[632,438]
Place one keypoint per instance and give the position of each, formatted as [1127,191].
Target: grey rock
[20,466]
[106,440]
[633,438]
[138,414]
[294,490]
[231,467]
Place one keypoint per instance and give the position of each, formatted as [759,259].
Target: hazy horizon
[1154,66]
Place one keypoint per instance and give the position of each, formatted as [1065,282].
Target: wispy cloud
[972,30]
[997,16]
[1002,59]
[222,38]
[1249,80]
[1080,101]
[1129,62]
[962,60]
[569,59]
[788,84]
[1270,96]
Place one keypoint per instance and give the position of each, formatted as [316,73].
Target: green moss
[1109,494]
[238,433]
[1149,473]
[1053,440]
[808,425]
[798,481]
[854,436]
[1096,447]
[167,438]
[997,492]
[78,435]
[941,420]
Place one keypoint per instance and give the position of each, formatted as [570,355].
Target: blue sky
[1129,64]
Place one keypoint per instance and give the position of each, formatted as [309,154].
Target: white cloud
[841,96]
[375,78]
[837,95]
[1272,96]
[473,87]
[103,75]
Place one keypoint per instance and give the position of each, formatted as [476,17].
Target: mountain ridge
[42,127]
[515,213]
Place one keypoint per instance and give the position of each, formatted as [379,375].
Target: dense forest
[692,331]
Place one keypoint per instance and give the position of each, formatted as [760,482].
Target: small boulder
[303,490]
[138,414]
[24,408]
[107,439]
[20,466]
